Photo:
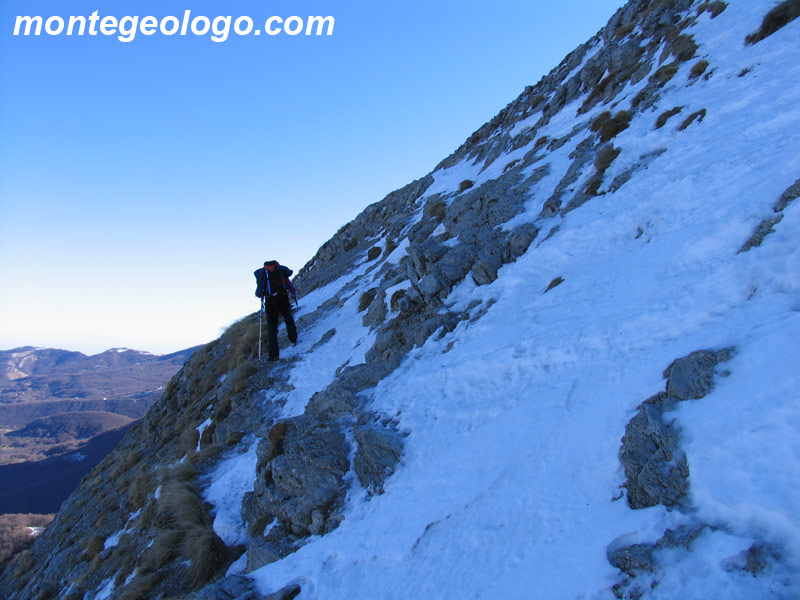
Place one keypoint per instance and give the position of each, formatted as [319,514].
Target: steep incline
[562,365]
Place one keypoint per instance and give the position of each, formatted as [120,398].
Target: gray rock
[487,265]
[379,450]
[519,241]
[456,262]
[655,468]
[430,285]
[791,193]
[233,587]
[307,476]
[630,559]
[376,312]
[762,231]
[692,377]
[287,593]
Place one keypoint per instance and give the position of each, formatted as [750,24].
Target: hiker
[274,287]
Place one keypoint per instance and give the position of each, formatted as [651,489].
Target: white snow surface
[509,486]
[226,486]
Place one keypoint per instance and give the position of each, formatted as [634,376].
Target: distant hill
[41,487]
[30,374]
[53,400]
[74,425]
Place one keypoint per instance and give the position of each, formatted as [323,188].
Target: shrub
[373,253]
[665,116]
[780,16]
[698,69]
[699,115]
[465,185]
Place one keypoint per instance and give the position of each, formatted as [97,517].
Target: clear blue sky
[141,183]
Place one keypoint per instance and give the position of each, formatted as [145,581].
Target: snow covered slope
[563,365]
[510,482]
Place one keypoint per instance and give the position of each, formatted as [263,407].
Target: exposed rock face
[656,469]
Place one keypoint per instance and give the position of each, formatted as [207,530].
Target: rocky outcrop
[656,469]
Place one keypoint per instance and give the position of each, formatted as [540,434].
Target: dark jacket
[272,283]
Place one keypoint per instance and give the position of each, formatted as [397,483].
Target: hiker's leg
[286,313]
[272,329]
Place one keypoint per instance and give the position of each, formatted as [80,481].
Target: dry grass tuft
[698,69]
[699,115]
[664,74]
[436,210]
[366,299]
[207,553]
[605,156]
[600,120]
[180,507]
[94,547]
[241,374]
[623,30]
[665,116]
[394,303]
[140,587]
[24,565]
[616,124]
[390,247]
[209,452]
[715,8]
[555,283]
[780,16]
[166,548]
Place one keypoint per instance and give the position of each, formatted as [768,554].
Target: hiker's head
[270,265]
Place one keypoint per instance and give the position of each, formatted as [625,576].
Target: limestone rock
[379,450]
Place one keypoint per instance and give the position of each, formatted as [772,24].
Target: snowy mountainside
[562,365]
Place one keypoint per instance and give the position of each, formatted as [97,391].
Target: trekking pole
[260,321]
